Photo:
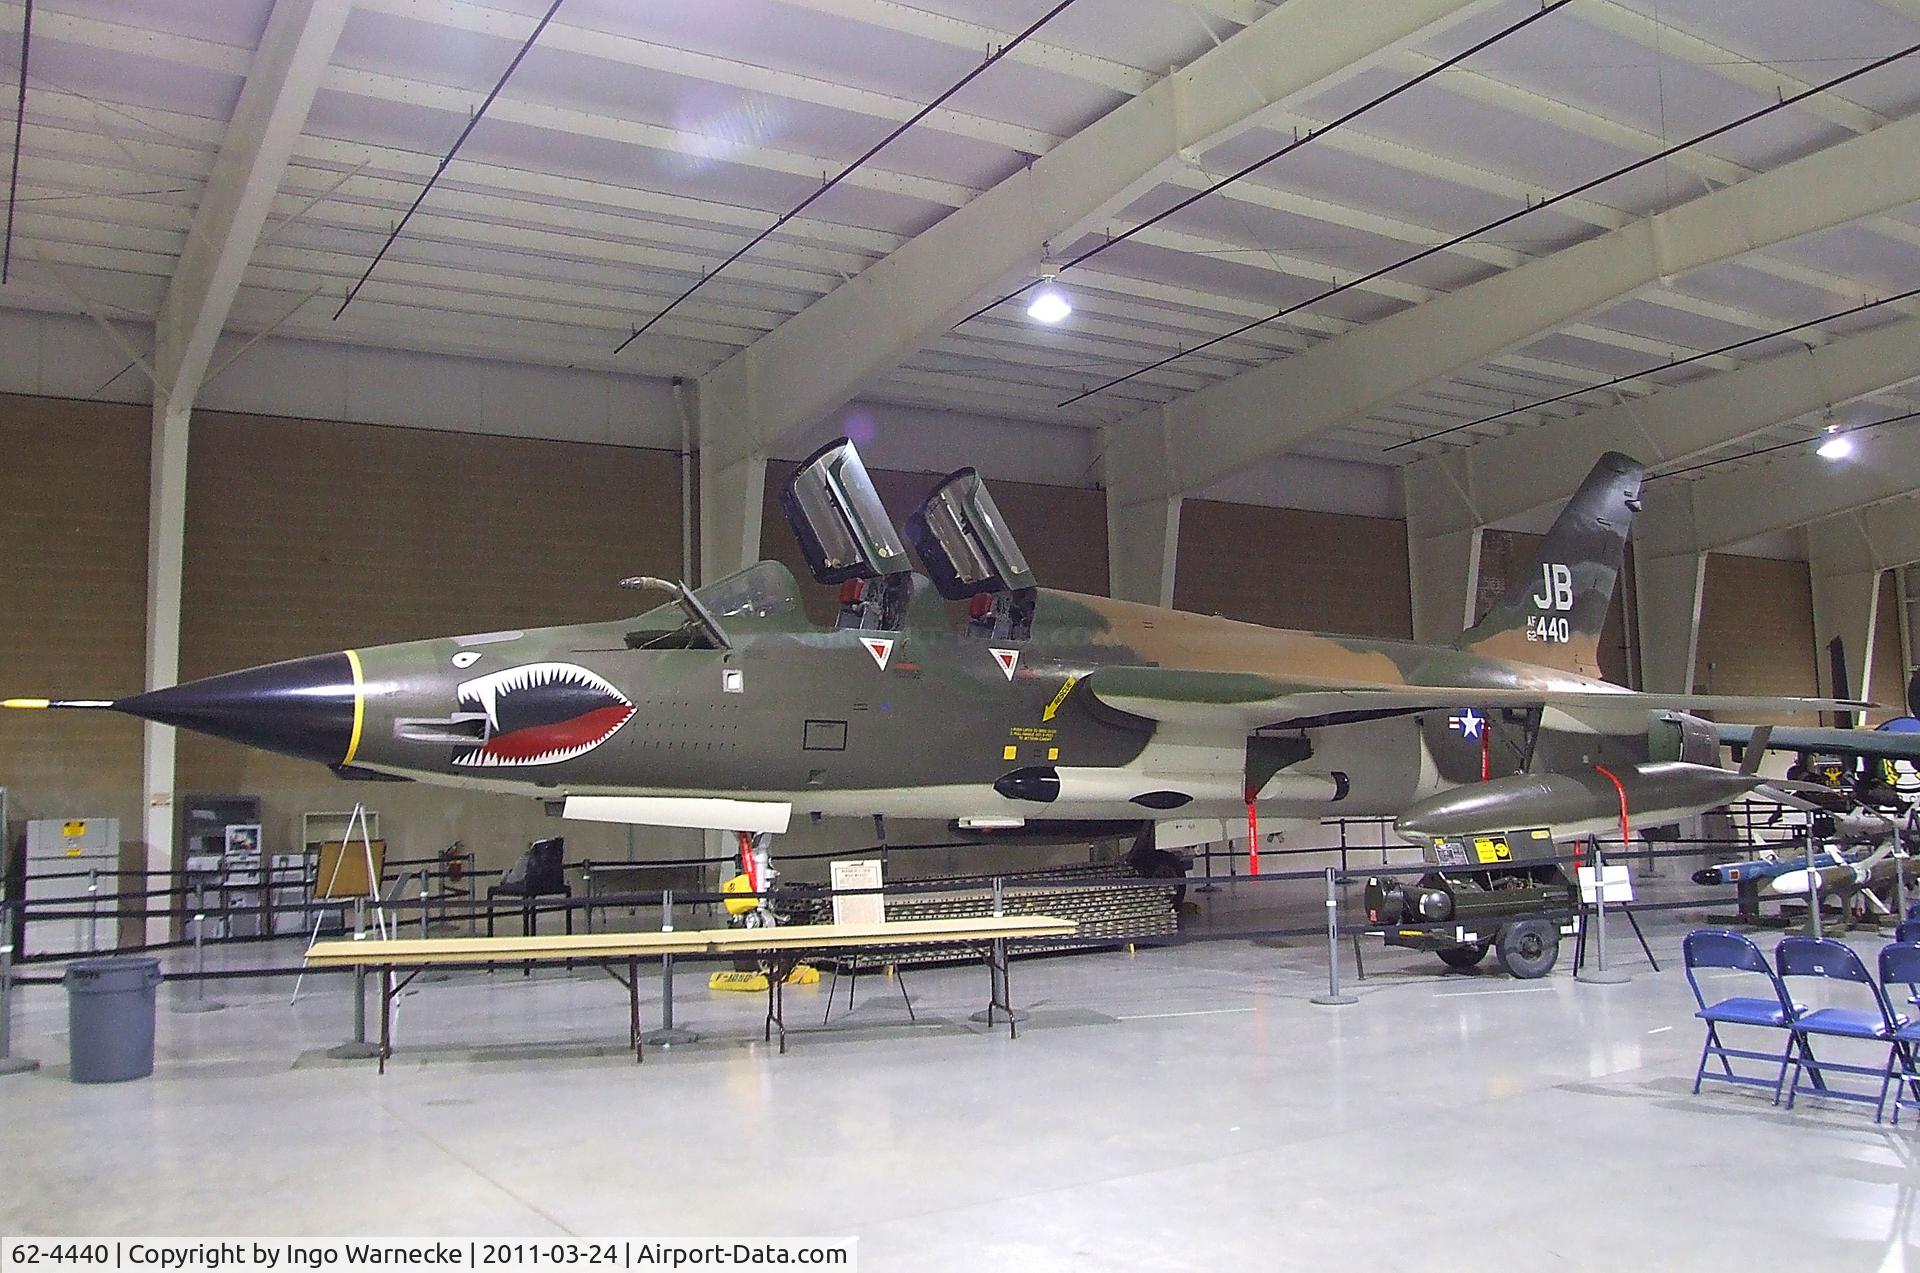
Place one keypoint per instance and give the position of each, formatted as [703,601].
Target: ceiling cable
[1532,207]
[1299,140]
[19,125]
[1781,446]
[1669,365]
[848,171]
[472,120]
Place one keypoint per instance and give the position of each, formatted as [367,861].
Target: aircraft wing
[1879,744]
[1250,701]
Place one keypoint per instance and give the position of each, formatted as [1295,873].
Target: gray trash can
[110,1018]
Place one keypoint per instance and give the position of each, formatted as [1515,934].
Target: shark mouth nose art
[541,714]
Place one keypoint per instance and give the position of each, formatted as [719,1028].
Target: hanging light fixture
[1836,445]
[1049,303]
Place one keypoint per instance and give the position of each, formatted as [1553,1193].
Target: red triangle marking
[881,648]
[1008,660]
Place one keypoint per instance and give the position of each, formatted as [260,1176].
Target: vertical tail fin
[1552,615]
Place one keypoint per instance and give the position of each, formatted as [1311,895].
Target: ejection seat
[962,539]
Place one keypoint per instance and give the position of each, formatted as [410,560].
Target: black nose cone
[303,707]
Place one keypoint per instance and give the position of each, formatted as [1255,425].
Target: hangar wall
[302,537]
[1756,631]
[1288,567]
[73,531]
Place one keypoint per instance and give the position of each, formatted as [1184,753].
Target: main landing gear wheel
[1528,948]
[1465,957]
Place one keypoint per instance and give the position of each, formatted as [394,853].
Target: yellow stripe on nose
[26,702]
[359,706]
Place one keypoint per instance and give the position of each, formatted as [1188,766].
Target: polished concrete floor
[1183,1108]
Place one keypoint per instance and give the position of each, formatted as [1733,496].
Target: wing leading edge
[1247,701]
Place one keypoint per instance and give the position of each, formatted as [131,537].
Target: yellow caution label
[1053,753]
[1033,734]
[1066,688]
[1010,752]
[74,828]
[1489,848]
[743,981]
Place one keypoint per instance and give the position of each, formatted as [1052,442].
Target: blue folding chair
[1907,930]
[1718,948]
[1900,966]
[1836,961]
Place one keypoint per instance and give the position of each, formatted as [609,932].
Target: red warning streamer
[1253,836]
[746,862]
[1625,833]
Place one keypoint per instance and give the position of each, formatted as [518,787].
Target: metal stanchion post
[998,980]
[1206,869]
[1899,879]
[357,1048]
[668,1034]
[427,974]
[1813,892]
[1600,974]
[9,1063]
[200,1002]
[1334,997]
[93,909]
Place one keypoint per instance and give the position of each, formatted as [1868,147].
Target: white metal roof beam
[1264,412]
[188,143]
[643,56]
[1710,168]
[1887,534]
[1740,504]
[281,82]
[940,28]
[1509,476]
[819,359]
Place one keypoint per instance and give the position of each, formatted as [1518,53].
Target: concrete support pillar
[1143,510]
[1444,573]
[731,502]
[166,538]
[1670,572]
[1845,572]
[733,476]
[1143,540]
[1444,531]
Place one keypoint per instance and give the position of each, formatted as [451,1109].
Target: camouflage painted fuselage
[925,720]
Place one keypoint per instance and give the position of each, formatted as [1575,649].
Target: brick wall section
[304,537]
[73,537]
[1756,632]
[1290,568]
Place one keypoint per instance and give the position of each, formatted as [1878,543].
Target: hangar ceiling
[638,145]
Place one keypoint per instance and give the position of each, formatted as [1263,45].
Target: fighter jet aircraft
[972,694]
